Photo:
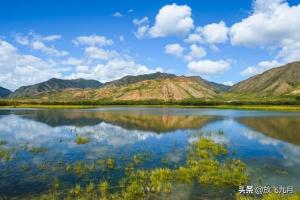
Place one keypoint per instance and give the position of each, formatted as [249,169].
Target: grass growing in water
[38,150]
[82,140]
[4,154]
[206,164]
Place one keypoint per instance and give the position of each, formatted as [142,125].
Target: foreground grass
[207,164]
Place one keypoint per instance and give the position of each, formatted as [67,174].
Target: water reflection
[267,141]
[281,128]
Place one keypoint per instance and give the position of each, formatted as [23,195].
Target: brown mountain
[144,87]
[284,80]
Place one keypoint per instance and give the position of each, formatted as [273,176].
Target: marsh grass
[82,140]
[206,164]
[38,150]
[4,155]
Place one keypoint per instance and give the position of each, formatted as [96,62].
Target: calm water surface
[267,141]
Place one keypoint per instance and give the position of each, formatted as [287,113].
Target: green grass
[82,140]
[244,107]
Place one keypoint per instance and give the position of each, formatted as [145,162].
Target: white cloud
[261,67]
[174,49]
[72,61]
[172,20]
[142,27]
[141,31]
[98,53]
[37,42]
[196,52]
[114,69]
[140,22]
[117,14]
[273,24]
[211,34]
[215,33]
[194,38]
[23,40]
[38,45]
[229,83]
[93,40]
[51,37]
[208,67]
[17,69]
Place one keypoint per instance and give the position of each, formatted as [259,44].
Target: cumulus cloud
[38,42]
[18,69]
[273,24]
[210,34]
[215,33]
[38,45]
[114,69]
[174,49]
[142,27]
[172,20]
[92,40]
[99,54]
[196,52]
[208,67]
[261,67]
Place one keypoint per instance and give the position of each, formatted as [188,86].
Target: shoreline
[234,107]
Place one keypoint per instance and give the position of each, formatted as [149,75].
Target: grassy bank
[240,107]
[277,104]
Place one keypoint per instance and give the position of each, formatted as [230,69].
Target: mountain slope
[284,80]
[135,79]
[4,92]
[53,84]
[158,86]
[126,80]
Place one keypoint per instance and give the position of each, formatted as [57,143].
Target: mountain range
[53,84]
[284,80]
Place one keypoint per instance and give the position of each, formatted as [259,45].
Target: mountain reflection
[130,120]
[281,128]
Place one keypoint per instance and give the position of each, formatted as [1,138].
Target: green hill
[284,80]
[53,84]
[4,92]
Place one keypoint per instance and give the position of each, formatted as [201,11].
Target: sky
[220,40]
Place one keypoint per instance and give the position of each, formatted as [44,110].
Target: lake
[40,147]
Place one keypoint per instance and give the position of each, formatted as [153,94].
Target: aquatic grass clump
[206,164]
[38,150]
[4,155]
[103,189]
[110,162]
[82,140]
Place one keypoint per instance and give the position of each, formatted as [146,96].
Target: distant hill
[284,80]
[144,87]
[53,84]
[4,92]
[126,80]
[134,79]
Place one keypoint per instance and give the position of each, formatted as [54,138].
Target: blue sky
[217,40]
